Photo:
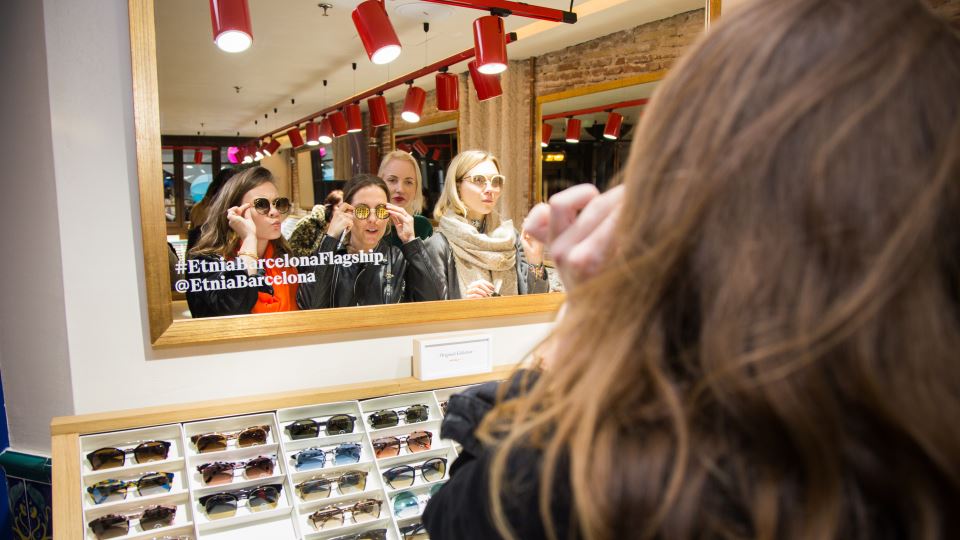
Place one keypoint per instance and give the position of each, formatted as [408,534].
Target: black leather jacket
[216,303]
[405,276]
[441,256]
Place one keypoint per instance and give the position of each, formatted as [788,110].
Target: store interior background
[74,337]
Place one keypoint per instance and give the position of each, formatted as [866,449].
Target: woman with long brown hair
[763,325]
[234,267]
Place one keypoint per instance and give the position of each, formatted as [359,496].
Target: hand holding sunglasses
[402,222]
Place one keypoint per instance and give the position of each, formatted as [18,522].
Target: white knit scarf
[492,256]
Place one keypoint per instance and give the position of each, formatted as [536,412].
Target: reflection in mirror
[213,105]
[596,147]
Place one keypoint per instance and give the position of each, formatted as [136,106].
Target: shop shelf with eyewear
[407,505]
[422,469]
[159,517]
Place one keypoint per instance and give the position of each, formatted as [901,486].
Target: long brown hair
[216,236]
[773,349]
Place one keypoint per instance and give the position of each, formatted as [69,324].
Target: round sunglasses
[362,211]
[262,205]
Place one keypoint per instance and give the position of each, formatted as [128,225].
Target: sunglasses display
[215,442]
[262,205]
[404,476]
[362,211]
[259,498]
[331,517]
[415,531]
[316,458]
[391,417]
[376,534]
[443,407]
[321,487]
[115,525]
[337,424]
[152,483]
[109,458]
[418,441]
[222,472]
[496,181]
[408,504]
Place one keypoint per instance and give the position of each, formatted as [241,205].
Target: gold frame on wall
[435,119]
[166,332]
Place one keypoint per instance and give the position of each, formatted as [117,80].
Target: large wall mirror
[198,107]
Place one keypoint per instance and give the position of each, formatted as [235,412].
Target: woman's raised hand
[480,288]
[402,221]
[578,226]
[342,220]
[240,219]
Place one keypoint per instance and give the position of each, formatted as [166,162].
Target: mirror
[201,104]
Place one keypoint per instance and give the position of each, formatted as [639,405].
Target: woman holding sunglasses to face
[242,228]
[401,172]
[479,253]
[358,226]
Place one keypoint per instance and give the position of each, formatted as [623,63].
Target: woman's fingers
[566,205]
[599,210]
[537,223]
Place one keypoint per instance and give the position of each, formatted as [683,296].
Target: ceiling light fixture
[520,9]
[487,86]
[271,148]
[354,117]
[232,31]
[338,123]
[490,44]
[313,134]
[612,129]
[448,91]
[326,131]
[258,155]
[296,141]
[546,130]
[198,156]
[573,130]
[377,34]
[379,116]
[413,103]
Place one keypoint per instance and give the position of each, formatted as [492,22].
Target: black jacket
[405,275]
[215,303]
[461,509]
[441,256]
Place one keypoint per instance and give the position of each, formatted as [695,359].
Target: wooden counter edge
[67,503]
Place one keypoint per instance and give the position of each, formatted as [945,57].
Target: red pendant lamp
[413,104]
[326,131]
[338,123]
[293,134]
[448,91]
[488,86]
[490,45]
[377,34]
[354,117]
[546,130]
[271,148]
[198,156]
[612,129]
[378,111]
[248,152]
[313,134]
[573,130]
[232,31]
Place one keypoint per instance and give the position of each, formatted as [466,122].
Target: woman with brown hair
[232,270]
[763,326]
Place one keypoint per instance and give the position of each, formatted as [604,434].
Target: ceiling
[295,48]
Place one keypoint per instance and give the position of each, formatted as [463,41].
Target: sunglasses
[391,417]
[418,441]
[331,517]
[443,407]
[408,504]
[362,211]
[109,458]
[262,205]
[496,181]
[215,442]
[148,484]
[321,487]
[316,458]
[114,525]
[415,531]
[222,472]
[307,429]
[378,534]
[259,498]
[403,476]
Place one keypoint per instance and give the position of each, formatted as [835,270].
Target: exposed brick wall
[647,48]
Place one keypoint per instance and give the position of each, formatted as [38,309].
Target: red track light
[490,45]
[198,156]
[612,129]
[232,31]
[546,130]
[377,34]
[573,130]
[378,111]
[448,92]
[313,133]
[293,134]
[271,148]
[488,86]
[338,123]
[326,131]
[413,104]
[354,118]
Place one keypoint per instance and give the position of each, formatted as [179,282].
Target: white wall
[33,334]
[94,166]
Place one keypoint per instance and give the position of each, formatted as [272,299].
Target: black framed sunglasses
[321,487]
[362,211]
[114,525]
[221,505]
[403,476]
[308,428]
[391,417]
[262,205]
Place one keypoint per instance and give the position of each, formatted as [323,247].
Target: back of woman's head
[216,237]
[772,349]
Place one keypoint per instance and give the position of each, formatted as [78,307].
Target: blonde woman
[479,253]
[401,172]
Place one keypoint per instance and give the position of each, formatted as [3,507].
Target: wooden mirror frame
[166,332]
[438,118]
